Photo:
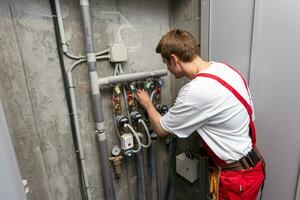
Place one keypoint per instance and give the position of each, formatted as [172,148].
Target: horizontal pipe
[131,77]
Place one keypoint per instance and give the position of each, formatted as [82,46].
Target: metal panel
[10,180]
[205,29]
[275,78]
[231,32]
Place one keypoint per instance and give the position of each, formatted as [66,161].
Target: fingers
[141,90]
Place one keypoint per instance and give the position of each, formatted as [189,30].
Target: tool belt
[248,161]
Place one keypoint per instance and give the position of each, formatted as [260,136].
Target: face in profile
[173,67]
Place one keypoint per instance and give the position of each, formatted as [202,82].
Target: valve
[139,85]
[116,104]
[158,107]
[128,153]
[117,89]
[132,88]
[135,116]
[153,135]
[148,85]
[121,120]
[117,161]
[159,82]
[164,109]
[131,101]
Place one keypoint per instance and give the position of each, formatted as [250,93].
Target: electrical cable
[68,100]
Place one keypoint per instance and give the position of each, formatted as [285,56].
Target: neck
[192,68]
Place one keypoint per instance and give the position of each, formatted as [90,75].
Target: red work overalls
[242,184]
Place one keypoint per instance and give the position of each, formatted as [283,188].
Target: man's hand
[144,99]
[154,116]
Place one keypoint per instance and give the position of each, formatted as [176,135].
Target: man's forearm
[154,117]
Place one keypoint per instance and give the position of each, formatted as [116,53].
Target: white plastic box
[127,141]
[118,53]
[187,168]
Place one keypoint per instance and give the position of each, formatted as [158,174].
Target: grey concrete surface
[31,88]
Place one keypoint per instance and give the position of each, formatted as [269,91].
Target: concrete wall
[185,14]
[31,87]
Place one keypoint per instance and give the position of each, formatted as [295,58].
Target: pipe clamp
[91,57]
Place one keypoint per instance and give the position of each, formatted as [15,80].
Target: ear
[174,58]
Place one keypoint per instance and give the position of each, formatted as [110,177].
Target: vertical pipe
[80,148]
[96,102]
[157,171]
[169,191]
[61,27]
[139,176]
[149,174]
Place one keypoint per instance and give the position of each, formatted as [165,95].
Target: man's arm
[153,115]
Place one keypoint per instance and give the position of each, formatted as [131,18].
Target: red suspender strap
[244,80]
[239,97]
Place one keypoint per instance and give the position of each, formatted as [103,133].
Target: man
[216,103]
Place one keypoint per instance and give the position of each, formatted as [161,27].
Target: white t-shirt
[206,106]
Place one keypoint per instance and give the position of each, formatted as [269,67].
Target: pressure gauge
[115,151]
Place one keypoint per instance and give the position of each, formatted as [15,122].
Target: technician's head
[176,47]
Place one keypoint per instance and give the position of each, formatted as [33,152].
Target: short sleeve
[184,117]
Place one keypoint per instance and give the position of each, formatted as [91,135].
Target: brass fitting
[117,161]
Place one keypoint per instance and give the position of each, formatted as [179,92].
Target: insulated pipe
[169,191]
[80,148]
[130,77]
[139,176]
[76,123]
[96,102]
[149,169]
[68,99]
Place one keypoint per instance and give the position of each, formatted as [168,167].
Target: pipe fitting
[116,162]
[135,116]
[164,109]
[128,153]
[121,121]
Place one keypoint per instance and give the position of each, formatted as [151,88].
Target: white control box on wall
[187,167]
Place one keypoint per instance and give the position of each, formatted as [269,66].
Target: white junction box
[118,52]
[127,141]
[187,168]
